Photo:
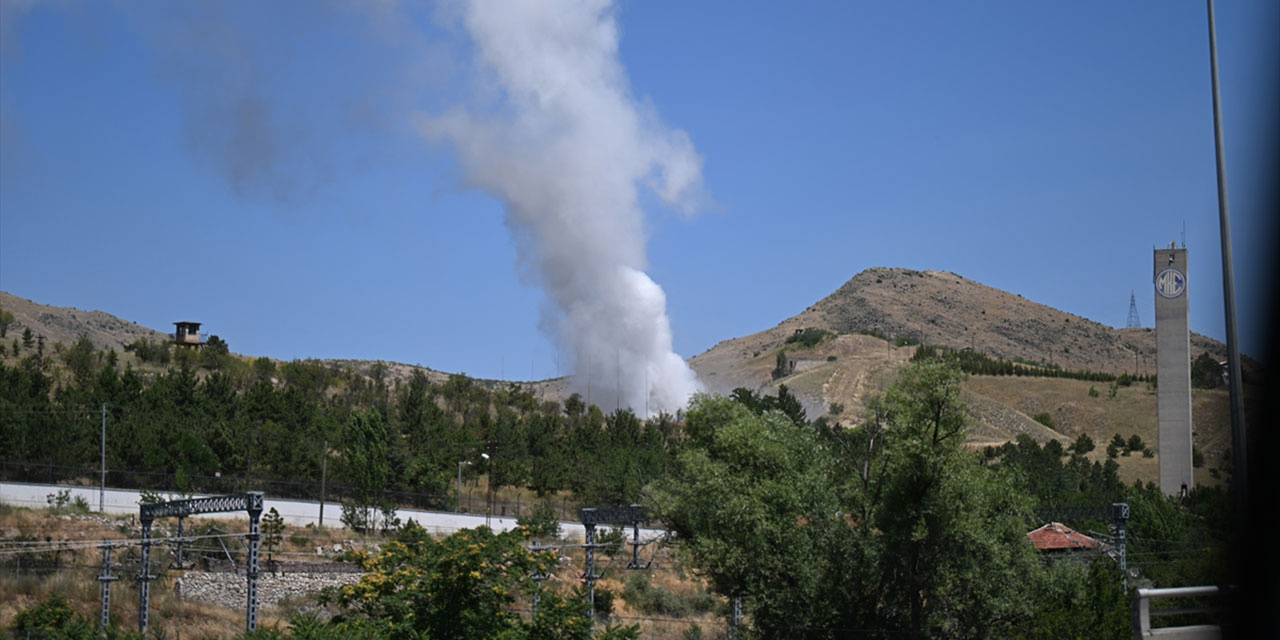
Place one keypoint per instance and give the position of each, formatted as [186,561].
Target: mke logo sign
[1170,283]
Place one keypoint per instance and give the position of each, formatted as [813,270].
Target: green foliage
[1197,457]
[272,529]
[809,337]
[28,339]
[6,320]
[1093,391]
[541,521]
[641,595]
[151,352]
[1147,452]
[1206,372]
[905,341]
[461,586]
[1083,444]
[890,526]
[1135,443]
[1045,419]
[982,364]
[1079,601]
[784,402]
[81,360]
[365,463]
[780,365]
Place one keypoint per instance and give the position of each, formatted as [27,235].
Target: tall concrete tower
[1173,368]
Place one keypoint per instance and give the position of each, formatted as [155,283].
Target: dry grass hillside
[945,309]
[66,324]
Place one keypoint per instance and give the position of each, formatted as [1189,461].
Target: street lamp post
[458,508]
[488,503]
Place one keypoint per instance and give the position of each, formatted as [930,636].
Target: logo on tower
[1170,283]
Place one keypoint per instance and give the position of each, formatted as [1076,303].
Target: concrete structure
[1173,368]
[187,334]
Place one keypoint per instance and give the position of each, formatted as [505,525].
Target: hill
[67,324]
[874,320]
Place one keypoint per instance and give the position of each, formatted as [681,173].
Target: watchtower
[187,334]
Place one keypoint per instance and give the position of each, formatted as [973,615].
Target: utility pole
[324,477]
[1238,454]
[102,491]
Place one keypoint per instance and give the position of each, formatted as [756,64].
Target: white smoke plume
[567,148]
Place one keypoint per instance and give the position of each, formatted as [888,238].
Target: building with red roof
[1057,537]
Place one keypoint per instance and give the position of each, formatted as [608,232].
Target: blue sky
[1041,148]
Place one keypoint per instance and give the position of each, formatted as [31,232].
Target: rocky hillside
[944,309]
[66,324]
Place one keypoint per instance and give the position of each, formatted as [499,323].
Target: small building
[187,334]
[1056,537]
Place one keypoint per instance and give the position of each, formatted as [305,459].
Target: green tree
[82,360]
[1084,444]
[365,467]
[891,526]
[6,320]
[272,532]
[28,338]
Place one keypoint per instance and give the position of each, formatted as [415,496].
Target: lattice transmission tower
[1133,322]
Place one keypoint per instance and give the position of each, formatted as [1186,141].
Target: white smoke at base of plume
[567,149]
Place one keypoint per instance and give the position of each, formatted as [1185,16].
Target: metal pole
[144,578]
[1240,478]
[102,491]
[324,476]
[104,620]
[251,575]
[590,575]
[459,507]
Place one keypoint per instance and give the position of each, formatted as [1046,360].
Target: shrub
[809,337]
[541,521]
[1093,391]
[1148,453]
[1197,457]
[1083,444]
[1045,419]
[1135,443]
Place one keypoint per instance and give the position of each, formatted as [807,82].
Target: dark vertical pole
[102,490]
[324,477]
[181,563]
[251,575]
[144,578]
[1240,478]
[590,575]
[736,618]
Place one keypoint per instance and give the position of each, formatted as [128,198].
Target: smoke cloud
[563,143]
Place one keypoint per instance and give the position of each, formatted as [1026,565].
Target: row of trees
[265,421]
[981,364]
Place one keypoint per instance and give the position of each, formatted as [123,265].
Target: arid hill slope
[66,324]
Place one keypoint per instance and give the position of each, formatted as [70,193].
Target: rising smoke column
[567,148]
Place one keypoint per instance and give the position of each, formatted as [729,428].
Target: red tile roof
[1057,537]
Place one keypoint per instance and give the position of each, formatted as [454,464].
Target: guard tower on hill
[187,334]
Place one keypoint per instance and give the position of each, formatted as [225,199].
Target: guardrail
[1142,613]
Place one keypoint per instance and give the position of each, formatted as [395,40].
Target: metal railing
[1142,613]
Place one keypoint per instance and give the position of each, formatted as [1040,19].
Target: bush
[905,341]
[1135,443]
[651,600]
[1045,419]
[1093,391]
[809,337]
[1148,453]
[1083,444]
[1197,457]
[541,521]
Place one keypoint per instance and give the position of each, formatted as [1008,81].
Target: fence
[1142,613]
[472,501]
